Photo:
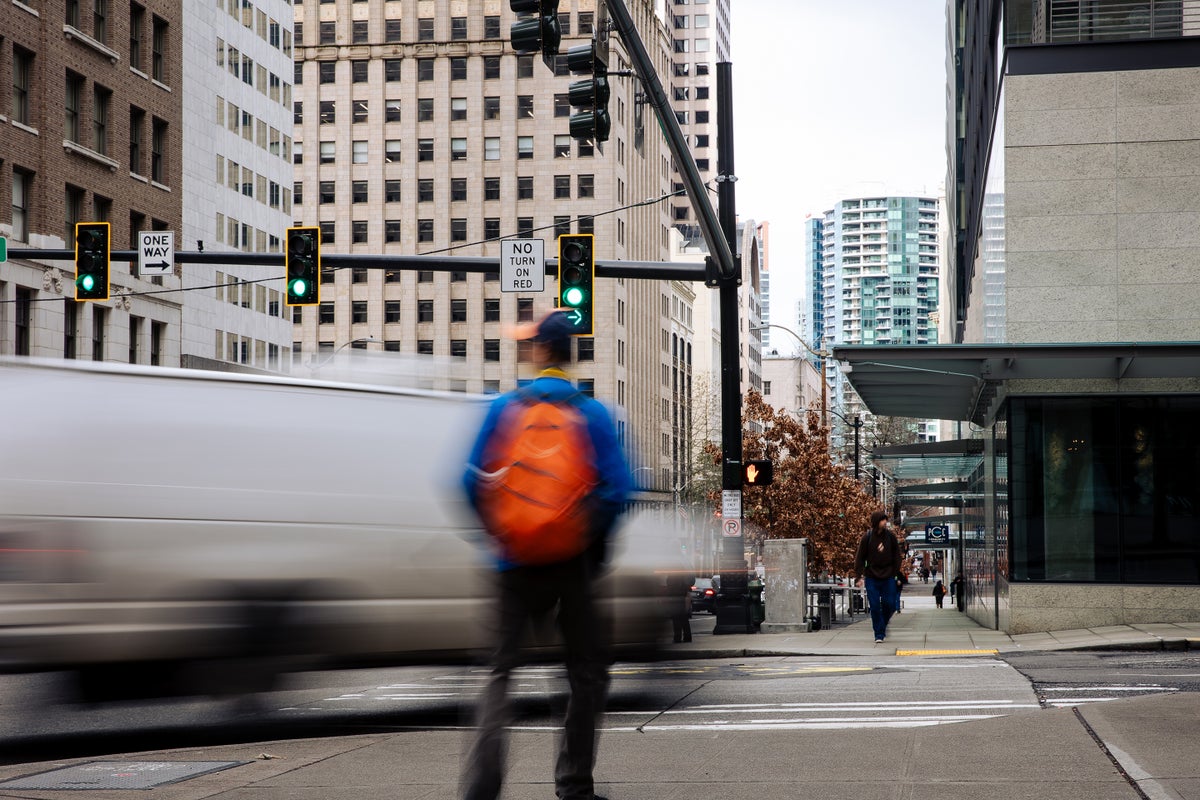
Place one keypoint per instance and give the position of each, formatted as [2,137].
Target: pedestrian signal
[758,473]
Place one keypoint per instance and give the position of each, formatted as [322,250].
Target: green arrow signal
[576,316]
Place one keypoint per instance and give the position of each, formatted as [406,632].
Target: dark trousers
[526,594]
[884,597]
[682,626]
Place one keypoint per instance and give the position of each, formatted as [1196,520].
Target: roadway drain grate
[118,774]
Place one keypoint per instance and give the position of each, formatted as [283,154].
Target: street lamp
[857,425]
[314,366]
[820,354]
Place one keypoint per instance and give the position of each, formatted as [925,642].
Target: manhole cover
[118,774]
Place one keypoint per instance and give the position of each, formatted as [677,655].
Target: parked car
[704,595]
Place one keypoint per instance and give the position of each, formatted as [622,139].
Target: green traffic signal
[576,270]
[303,257]
[92,241]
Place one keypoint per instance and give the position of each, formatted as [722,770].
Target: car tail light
[708,592]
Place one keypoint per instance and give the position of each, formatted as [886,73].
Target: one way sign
[156,252]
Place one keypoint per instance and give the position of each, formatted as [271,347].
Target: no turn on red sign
[522,265]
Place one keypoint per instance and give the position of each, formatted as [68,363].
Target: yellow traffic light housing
[576,273]
[92,250]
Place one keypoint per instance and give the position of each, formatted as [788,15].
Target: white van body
[155,515]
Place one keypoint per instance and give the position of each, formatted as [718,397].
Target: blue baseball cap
[553,329]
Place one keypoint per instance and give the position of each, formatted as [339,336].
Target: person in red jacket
[877,564]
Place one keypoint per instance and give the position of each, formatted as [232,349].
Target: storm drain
[118,774]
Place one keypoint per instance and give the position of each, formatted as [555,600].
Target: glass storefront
[1105,489]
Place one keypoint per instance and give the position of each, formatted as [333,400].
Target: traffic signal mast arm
[692,182]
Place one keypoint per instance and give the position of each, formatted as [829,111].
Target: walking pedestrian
[939,591]
[955,589]
[877,566]
[679,600]
[554,565]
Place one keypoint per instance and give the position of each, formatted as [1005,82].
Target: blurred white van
[155,519]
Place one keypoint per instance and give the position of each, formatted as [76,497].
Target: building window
[562,105]
[392,30]
[491,188]
[458,108]
[524,309]
[358,111]
[562,187]
[327,72]
[328,231]
[524,66]
[358,152]
[587,186]
[425,347]
[424,69]
[391,70]
[524,226]
[458,149]
[491,148]
[21,184]
[491,349]
[391,311]
[491,27]
[425,150]
[491,67]
[525,106]
[458,348]
[326,314]
[391,111]
[328,112]
[562,226]
[587,387]
[358,191]
[326,193]
[359,34]
[586,349]
[524,147]
[358,232]
[137,120]
[159,55]
[458,230]
[458,29]
[525,187]
[99,316]
[458,69]
[424,311]
[158,149]
[22,75]
[425,190]
[328,33]
[491,108]
[491,229]
[391,231]
[327,152]
[424,230]
[425,109]
[491,309]
[458,189]
[425,31]
[458,310]
[391,151]
[358,312]
[74,90]
[137,21]
[391,191]
[562,146]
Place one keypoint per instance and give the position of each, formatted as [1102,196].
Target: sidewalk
[1067,753]
[922,628]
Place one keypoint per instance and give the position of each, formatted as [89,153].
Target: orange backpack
[540,469]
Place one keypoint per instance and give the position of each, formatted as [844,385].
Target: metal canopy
[958,381]
[952,460]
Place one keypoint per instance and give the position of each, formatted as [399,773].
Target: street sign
[3,249]
[732,527]
[156,252]
[522,265]
[731,503]
[937,534]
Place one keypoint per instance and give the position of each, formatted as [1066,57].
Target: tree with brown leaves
[810,497]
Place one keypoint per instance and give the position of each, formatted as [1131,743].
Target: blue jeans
[882,595]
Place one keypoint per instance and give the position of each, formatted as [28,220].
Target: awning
[951,461]
[958,381]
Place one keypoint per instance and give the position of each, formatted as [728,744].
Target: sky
[832,99]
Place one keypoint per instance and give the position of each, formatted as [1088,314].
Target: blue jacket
[614,479]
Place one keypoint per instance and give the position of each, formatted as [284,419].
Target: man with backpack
[548,479]
[878,566]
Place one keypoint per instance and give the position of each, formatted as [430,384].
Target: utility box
[786,562]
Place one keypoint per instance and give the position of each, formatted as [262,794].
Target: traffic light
[590,95]
[758,473]
[537,28]
[303,266]
[91,260]
[576,270]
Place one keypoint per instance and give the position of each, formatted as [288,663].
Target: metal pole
[857,425]
[732,610]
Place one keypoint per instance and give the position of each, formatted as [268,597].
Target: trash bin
[758,609]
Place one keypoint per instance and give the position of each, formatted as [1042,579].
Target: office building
[1076,152]
[90,130]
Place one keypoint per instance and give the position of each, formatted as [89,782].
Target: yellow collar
[553,372]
